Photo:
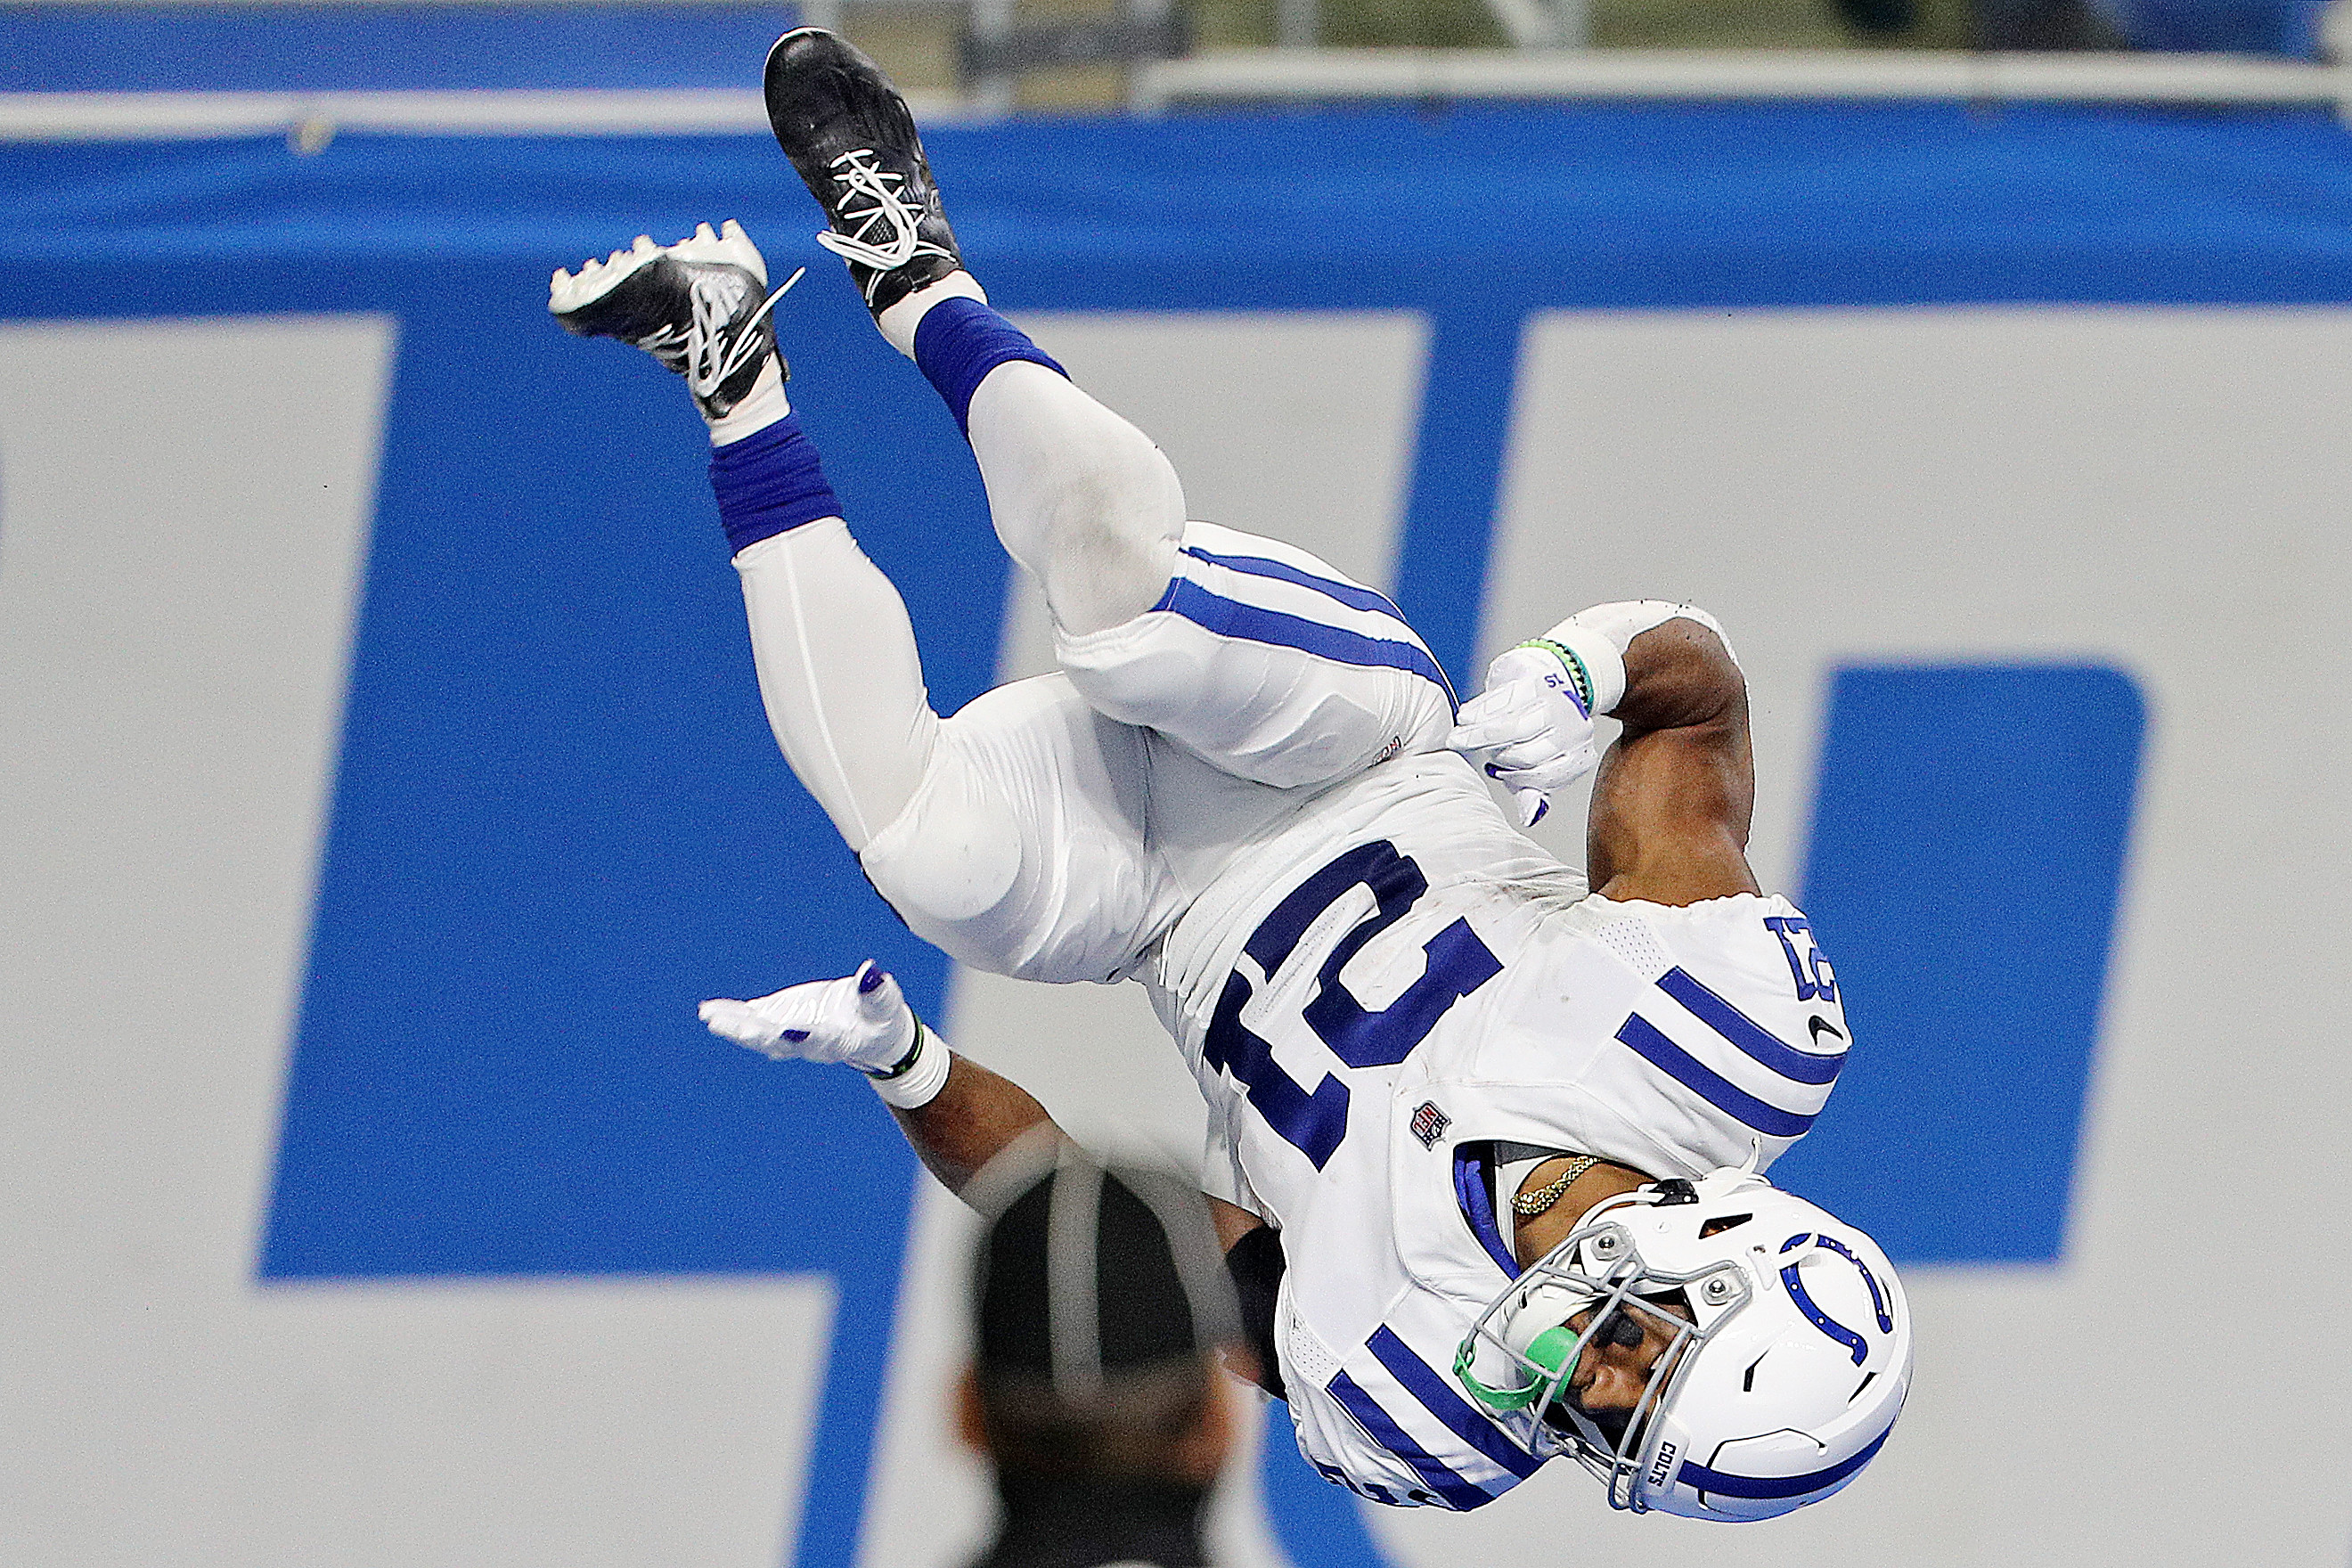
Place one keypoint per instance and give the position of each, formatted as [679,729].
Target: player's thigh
[1269,663]
[1023,851]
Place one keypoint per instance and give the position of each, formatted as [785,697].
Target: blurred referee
[1101,1301]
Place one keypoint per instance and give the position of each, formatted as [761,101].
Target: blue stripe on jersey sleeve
[1231,618]
[1382,1429]
[1704,1081]
[1752,1038]
[1422,1381]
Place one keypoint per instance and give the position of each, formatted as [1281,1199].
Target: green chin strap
[1552,1350]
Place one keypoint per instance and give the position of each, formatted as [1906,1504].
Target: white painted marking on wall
[184,512]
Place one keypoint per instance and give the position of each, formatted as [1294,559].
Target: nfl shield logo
[1429,1123]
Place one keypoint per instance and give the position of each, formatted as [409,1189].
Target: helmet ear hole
[1722,1222]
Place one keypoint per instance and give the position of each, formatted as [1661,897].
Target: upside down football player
[1486,1138]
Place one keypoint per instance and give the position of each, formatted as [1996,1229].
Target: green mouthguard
[1551,1350]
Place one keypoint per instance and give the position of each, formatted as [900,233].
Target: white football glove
[861,1019]
[1527,729]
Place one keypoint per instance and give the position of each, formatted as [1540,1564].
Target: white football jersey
[1395,979]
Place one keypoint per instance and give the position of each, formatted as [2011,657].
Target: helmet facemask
[1520,1357]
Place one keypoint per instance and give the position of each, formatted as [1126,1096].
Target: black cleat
[848,132]
[700,307]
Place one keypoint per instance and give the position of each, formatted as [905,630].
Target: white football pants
[1210,680]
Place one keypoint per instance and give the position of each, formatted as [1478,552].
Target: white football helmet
[1787,1356]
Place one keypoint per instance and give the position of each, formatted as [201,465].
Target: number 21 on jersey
[1315,1121]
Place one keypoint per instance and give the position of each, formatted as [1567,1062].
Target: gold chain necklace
[1527,1206]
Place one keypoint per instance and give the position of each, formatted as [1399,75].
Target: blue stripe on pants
[1348,594]
[1249,623]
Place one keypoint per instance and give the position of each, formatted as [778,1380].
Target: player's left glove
[861,1019]
[1530,729]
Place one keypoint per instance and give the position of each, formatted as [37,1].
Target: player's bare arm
[1671,805]
[956,1114]
[977,1115]
[1672,802]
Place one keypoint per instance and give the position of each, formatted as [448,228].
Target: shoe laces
[888,234]
[712,352]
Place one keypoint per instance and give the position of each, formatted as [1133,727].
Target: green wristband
[1579,676]
[899,1068]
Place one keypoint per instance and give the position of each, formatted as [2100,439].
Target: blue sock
[768,482]
[959,342]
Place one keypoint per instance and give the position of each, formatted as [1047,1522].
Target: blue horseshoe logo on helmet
[1878,1301]
[1794,1281]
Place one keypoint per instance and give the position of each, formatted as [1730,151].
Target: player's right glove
[861,1019]
[1530,729]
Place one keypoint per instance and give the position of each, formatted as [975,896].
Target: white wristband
[1600,635]
[918,1079]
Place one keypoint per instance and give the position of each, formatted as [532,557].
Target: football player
[1487,1135]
